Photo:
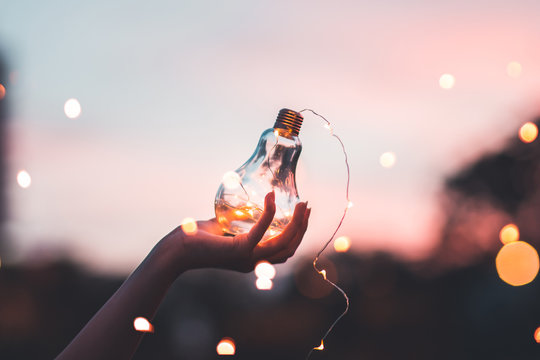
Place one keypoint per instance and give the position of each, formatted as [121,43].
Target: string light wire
[328,125]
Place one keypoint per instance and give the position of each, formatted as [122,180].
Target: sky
[174,94]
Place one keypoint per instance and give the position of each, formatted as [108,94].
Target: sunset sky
[176,93]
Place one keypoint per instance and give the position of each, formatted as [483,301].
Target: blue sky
[174,94]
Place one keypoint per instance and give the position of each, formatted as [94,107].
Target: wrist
[170,254]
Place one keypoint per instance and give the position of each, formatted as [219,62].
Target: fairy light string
[328,126]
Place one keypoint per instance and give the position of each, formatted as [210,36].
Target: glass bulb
[240,198]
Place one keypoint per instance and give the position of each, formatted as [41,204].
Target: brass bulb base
[289,120]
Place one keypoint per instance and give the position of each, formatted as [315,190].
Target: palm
[210,247]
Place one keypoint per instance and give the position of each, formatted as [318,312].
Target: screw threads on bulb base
[289,120]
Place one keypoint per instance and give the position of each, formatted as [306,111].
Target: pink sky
[174,95]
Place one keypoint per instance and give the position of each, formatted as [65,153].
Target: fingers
[292,228]
[281,242]
[289,251]
[257,231]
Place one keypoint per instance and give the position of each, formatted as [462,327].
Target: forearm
[110,333]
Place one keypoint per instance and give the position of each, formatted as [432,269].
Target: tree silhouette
[498,188]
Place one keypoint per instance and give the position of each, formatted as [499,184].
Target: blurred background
[119,118]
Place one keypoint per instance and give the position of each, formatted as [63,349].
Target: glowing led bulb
[231,180]
[323,273]
[342,244]
[329,128]
[447,81]
[537,335]
[265,270]
[23,179]
[528,132]
[388,159]
[264,283]
[72,108]
[240,197]
[320,347]
[189,226]
[142,324]
[226,347]
[509,233]
[513,69]
[517,263]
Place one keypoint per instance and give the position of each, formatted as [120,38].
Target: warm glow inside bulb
[447,81]
[528,132]
[537,335]
[239,212]
[2,91]
[342,244]
[265,270]
[72,108]
[517,263]
[23,179]
[509,233]
[189,226]
[513,69]
[226,347]
[320,347]
[264,283]
[388,159]
[142,325]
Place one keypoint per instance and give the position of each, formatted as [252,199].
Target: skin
[110,333]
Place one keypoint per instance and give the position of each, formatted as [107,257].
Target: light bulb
[240,199]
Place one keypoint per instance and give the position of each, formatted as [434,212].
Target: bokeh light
[388,159]
[264,283]
[226,347]
[189,226]
[447,81]
[142,324]
[517,263]
[231,180]
[537,335]
[513,69]
[265,270]
[2,91]
[509,233]
[72,108]
[528,132]
[24,179]
[342,244]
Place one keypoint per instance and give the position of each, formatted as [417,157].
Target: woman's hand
[110,335]
[209,247]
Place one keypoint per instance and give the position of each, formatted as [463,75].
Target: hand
[208,247]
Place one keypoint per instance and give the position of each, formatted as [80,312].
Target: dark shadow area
[396,313]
